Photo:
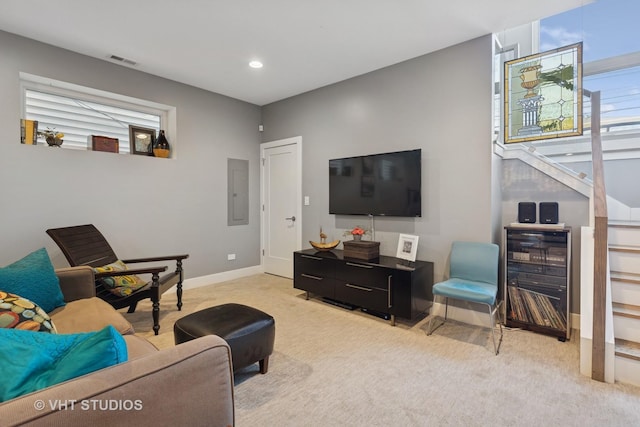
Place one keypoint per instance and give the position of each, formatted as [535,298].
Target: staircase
[624,259]
[620,321]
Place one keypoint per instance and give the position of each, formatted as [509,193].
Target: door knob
[293,218]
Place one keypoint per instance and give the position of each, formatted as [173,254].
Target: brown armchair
[85,245]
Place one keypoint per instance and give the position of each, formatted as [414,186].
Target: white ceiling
[304,44]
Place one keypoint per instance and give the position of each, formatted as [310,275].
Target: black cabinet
[314,274]
[537,269]
[382,286]
[364,285]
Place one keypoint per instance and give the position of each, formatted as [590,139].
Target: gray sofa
[190,384]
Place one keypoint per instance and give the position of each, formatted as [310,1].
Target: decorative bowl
[324,246]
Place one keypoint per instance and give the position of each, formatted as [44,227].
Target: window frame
[47,85]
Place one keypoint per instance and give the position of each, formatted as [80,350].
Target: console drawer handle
[389,305]
[311,257]
[358,287]
[359,265]
[308,276]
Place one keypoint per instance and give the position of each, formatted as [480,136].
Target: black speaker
[548,212]
[527,212]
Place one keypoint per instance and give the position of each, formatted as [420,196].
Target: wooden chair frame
[85,245]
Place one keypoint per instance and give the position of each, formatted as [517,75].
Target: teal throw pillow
[32,361]
[33,278]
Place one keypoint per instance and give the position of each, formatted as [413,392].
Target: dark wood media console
[383,285]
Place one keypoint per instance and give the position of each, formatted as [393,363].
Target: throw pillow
[32,361]
[33,278]
[20,313]
[89,315]
[119,285]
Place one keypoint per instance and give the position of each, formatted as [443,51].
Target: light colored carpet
[337,367]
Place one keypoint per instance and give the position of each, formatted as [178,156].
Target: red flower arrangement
[357,231]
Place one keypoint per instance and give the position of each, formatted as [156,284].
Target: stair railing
[600,253]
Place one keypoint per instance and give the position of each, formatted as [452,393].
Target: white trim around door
[293,219]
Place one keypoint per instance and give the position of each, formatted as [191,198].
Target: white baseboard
[610,365]
[575,323]
[481,318]
[197,282]
[627,371]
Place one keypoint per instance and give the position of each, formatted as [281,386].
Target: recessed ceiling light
[255,64]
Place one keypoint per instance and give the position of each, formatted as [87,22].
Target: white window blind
[78,118]
[79,111]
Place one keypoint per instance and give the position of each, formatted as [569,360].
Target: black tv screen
[387,184]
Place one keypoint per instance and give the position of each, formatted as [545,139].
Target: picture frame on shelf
[407,247]
[141,140]
[103,143]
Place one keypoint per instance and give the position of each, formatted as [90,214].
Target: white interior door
[281,204]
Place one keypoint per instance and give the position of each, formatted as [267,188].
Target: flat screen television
[387,184]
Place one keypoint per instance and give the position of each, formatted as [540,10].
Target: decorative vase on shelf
[161,146]
[52,141]
[151,145]
[357,237]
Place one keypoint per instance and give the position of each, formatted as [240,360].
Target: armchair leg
[156,316]
[179,287]
[155,299]
[492,318]
[492,314]
[446,309]
[179,295]
[432,329]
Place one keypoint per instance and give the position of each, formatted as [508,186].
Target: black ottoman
[249,332]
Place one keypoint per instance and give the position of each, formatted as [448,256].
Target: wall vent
[121,59]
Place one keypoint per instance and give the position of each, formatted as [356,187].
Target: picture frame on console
[141,139]
[407,247]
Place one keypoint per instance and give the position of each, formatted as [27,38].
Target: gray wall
[144,206]
[441,103]
[522,183]
[620,178]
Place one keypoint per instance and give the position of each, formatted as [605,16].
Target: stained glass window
[543,95]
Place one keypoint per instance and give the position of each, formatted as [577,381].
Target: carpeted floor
[337,367]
